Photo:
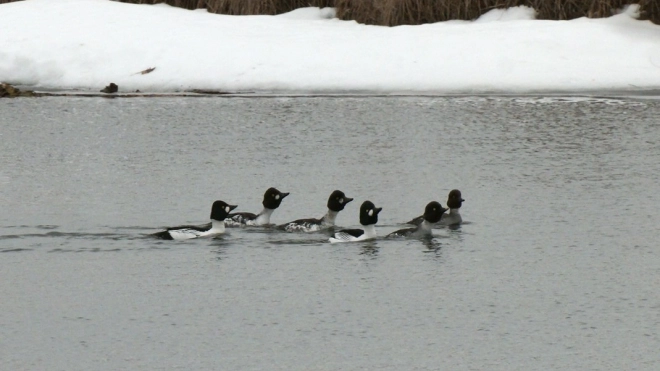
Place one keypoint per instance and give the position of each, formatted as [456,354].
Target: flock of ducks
[222,217]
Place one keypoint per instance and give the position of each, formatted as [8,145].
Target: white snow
[86,44]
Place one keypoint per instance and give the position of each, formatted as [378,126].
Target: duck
[432,214]
[272,200]
[368,218]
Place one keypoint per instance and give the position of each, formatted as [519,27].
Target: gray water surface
[556,267]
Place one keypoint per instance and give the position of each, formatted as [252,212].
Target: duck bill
[347,200]
[378,210]
[284,194]
[232,207]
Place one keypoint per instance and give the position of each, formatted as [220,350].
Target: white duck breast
[453,218]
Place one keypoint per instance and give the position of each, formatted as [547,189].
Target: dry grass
[186,4]
[249,7]
[240,7]
[398,12]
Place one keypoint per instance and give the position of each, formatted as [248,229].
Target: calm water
[557,267]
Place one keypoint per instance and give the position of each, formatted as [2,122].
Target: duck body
[306,225]
[219,212]
[244,219]
[186,232]
[354,235]
[336,203]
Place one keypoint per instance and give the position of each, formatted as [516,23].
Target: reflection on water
[557,252]
[369,248]
[432,244]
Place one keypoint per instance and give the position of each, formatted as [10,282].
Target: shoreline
[650,93]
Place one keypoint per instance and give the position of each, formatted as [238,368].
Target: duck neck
[454,212]
[425,227]
[217,226]
[330,217]
[263,217]
[370,231]
[453,217]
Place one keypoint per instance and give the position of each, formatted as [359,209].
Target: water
[556,267]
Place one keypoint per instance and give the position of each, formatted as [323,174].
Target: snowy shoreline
[308,52]
[596,94]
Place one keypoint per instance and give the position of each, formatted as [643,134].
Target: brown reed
[186,4]
[251,7]
[412,12]
[239,7]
